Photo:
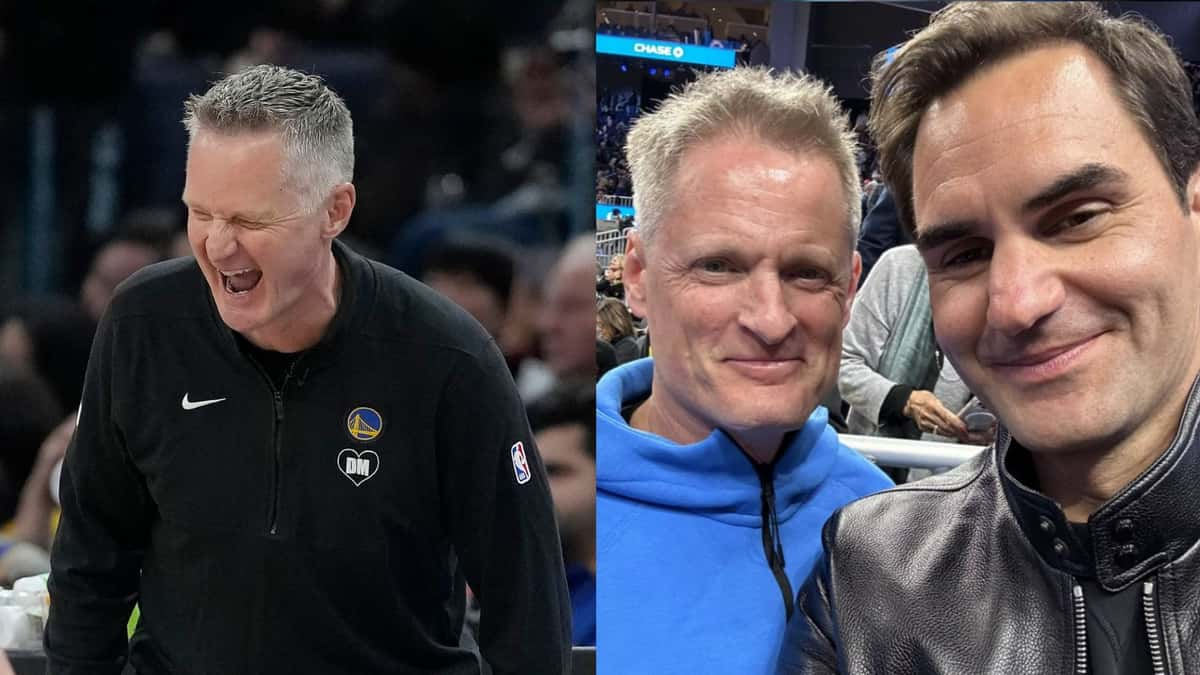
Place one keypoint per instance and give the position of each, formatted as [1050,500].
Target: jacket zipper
[1081,651]
[278,443]
[772,546]
[277,440]
[1156,652]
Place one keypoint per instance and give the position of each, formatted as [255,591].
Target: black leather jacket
[973,572]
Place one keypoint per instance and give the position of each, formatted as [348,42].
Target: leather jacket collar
[1147,524]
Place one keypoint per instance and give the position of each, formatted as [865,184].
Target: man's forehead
[1059,113]
[747,175]
[1046,81]
[742,159]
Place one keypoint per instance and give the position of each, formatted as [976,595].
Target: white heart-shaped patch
[358,466]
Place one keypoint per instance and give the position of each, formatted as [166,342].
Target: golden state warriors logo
[364,424]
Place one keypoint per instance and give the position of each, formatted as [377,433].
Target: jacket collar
[358,295]
[1147,524]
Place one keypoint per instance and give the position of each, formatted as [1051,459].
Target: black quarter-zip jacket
[324,524]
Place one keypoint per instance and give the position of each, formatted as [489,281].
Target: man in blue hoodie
[716,467]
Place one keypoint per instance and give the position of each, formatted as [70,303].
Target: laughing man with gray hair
[716,467]
[290,457]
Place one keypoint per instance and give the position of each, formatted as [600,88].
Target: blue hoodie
[684,585]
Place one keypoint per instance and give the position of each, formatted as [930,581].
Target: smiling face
[1064,273]
[746,286]
[268,263]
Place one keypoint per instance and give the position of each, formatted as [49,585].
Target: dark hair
[30,414]
[490,262]
[570,403]
[964,38]
[614,315]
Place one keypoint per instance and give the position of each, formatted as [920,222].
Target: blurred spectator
[612,284]
[567,319]
[520,337]
[16,344]
[614,325]
[52,336]
[606,357]
[564,426]
[477,275]
[866,147]
[264,45]
[892,373]
[880,232]
[112,264]
[443,131]
[30,413]
[38,500]
[615,111]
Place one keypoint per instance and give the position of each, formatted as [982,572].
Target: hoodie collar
[712,477]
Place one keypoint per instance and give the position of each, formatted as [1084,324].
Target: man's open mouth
[240,282]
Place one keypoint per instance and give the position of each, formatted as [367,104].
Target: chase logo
[657,50]
[364,424]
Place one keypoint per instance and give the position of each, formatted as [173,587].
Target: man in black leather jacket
[1044,155]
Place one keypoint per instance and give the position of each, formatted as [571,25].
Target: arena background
[647,49]
[835,41]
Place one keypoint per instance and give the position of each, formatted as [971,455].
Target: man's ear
[337,213]
[855,273]
[633,277]
[1193,197]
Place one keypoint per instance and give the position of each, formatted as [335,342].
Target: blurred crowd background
[475,164]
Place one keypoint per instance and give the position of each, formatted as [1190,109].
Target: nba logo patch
[520,464]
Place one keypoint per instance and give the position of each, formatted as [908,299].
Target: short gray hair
[794,112]
[313,123]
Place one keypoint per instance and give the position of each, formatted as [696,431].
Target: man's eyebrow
[249,216]
[1083,178]
[933,236]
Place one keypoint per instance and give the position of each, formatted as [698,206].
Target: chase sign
[665,51]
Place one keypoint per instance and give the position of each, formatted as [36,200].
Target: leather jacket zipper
[1080,615]
[1152,634]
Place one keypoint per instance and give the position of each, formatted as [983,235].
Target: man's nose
[221,241]
[765,311]
[1024,286]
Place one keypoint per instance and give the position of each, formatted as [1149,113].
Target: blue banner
[603,211]
[665,51]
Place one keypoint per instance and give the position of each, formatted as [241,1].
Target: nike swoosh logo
[192,405]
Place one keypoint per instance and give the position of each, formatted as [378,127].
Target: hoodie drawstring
[772,545]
